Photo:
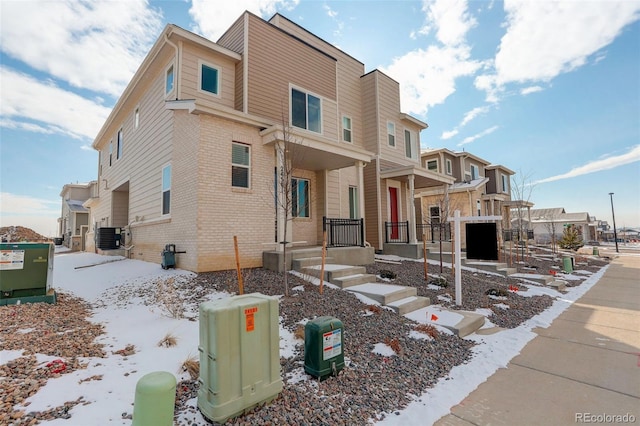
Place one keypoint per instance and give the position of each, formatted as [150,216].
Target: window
[353,203]
[299,197]
[434,214]
[449,166]
[136,118]
[168,86]
[409,148]
[305,111]
[120,143]
[166,189]
[110,153]
[475,172]
[432,165]
[209,79]
[505,185]
[240,164]
[346,129]
[391,132]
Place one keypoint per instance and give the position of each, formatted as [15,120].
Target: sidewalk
[581,369]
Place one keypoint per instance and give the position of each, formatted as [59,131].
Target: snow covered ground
[95,278]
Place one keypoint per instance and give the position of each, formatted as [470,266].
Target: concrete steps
[402,299]
[298,264]
[499,267]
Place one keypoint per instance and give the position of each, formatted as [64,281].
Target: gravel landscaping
[371,386]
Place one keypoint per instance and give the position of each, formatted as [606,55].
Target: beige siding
[371,129]
[225,211]
[277,60]
[233,38]
[192,58]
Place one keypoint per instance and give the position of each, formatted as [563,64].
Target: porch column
[360,174]
[412,211]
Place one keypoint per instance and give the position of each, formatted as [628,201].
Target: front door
[393,206]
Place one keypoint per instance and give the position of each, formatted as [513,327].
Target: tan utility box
[239,355]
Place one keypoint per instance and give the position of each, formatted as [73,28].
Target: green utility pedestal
[323,347]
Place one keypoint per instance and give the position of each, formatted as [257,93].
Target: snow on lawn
[95,278]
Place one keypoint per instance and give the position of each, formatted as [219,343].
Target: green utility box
[567,264]
[26,273]
[239,355]
[323,348]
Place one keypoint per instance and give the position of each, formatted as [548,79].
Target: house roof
[468,185]
[501,167]
[546,213]
[76,206]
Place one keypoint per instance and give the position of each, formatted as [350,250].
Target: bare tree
[550,225]
[287,151]
[522,187]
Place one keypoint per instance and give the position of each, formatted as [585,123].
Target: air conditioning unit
[108,238]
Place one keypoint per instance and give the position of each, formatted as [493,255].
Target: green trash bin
[323,347]
[567,263]
[596,252]
[154,400]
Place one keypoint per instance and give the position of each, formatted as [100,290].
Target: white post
[411,208]
[457,266]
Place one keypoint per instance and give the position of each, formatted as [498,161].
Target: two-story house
[189,154]
[479,189]
[73,223]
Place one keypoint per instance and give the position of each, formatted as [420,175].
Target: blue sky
[548,89]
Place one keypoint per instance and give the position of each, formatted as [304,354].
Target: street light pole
[615,233]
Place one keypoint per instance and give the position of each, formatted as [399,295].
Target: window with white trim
[306,111]
[120,144]
[346,129]
[391,133]
[449,166]
[136,118]
[410,145]
[166,189]
[209,78]
[353,203]
[505,184]
[475,171]
[168,82]
[299,197]
[110,153]
[432,165]
[240,165]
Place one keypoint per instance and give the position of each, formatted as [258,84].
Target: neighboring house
[548,222]
[188,154]
[479,189]
[73,223]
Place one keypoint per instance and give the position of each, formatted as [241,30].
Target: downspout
[177,72]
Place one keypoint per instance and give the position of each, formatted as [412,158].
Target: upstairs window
[346,129]
[449,167]
[299,197]
[306,111]
[391,133]
[110,153]
[475,172]
[240,165]
[168,86]
[505,184]
[136,118]
[120,144]
[209,79]
[410,149]
[432,165]
[166,189]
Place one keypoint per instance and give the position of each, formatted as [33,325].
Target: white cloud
[450,20]
[330,12]
[486,132]
[449,134]
[213,18]
[531,89]
[547,38]
[95,45]
[26,99]
[428,76]
[473,114]
[599,165]
[13,204]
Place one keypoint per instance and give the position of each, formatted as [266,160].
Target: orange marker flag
[434,317]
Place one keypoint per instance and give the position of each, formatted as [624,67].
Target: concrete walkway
[582,368]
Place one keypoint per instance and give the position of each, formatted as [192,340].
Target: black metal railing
[516,235]
[434,231]
[343,232]
[396,232]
